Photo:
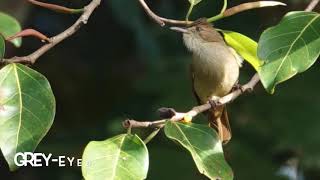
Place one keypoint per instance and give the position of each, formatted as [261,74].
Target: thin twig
[57,8]
[224,13]
[195,110]
[250,5]
[161,20]
[53,41]
[312,5]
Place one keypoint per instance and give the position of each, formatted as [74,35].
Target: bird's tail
[218,119]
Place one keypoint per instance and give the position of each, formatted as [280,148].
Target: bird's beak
[179,29]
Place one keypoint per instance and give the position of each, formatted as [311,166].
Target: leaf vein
[294,42]
[20,104]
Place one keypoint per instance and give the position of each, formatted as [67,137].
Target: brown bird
[214,70]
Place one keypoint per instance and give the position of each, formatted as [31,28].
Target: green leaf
[9,26]
[205,147]
[245,47]
[289,48]
[27,109]
[2,47]
[122,157]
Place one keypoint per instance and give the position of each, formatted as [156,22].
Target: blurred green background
[122,65]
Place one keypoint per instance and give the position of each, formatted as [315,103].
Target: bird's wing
[192,81]
[218,118]
[237,56]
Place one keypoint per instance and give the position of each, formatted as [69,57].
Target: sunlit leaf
[9,26]
[2,47]
[289,48]
[122,157]
[205,147]
[244,46]
[27,109]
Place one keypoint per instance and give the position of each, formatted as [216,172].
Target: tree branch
[161,20]
[53,41]
[312,5]
[195,110]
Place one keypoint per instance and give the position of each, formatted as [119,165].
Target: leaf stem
[219,16]
[189,12]
[77,11]
[215,18]
[151,136]
[225,4]
[129,130]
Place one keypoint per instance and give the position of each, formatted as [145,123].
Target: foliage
[28,104]
[27,101]
[126,154]
[9,26]
[2,47]
[289,48]
[27,110]
[246,47]
[204,145]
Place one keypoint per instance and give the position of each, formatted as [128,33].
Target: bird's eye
[198,28]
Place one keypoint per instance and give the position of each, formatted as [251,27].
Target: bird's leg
[213,102]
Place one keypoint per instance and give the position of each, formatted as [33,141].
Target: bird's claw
[238,86]
[213,104]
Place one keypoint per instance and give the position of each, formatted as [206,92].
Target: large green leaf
[289,48]
[205,147]
[2,47]
[9,26]
[244,46]
[122,157]
[27,109]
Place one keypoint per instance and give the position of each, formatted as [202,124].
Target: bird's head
[197,33]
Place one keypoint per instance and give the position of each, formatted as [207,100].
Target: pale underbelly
[214,79]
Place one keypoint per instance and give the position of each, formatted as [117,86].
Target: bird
[214,71]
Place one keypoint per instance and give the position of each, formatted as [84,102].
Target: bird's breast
[215,70]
